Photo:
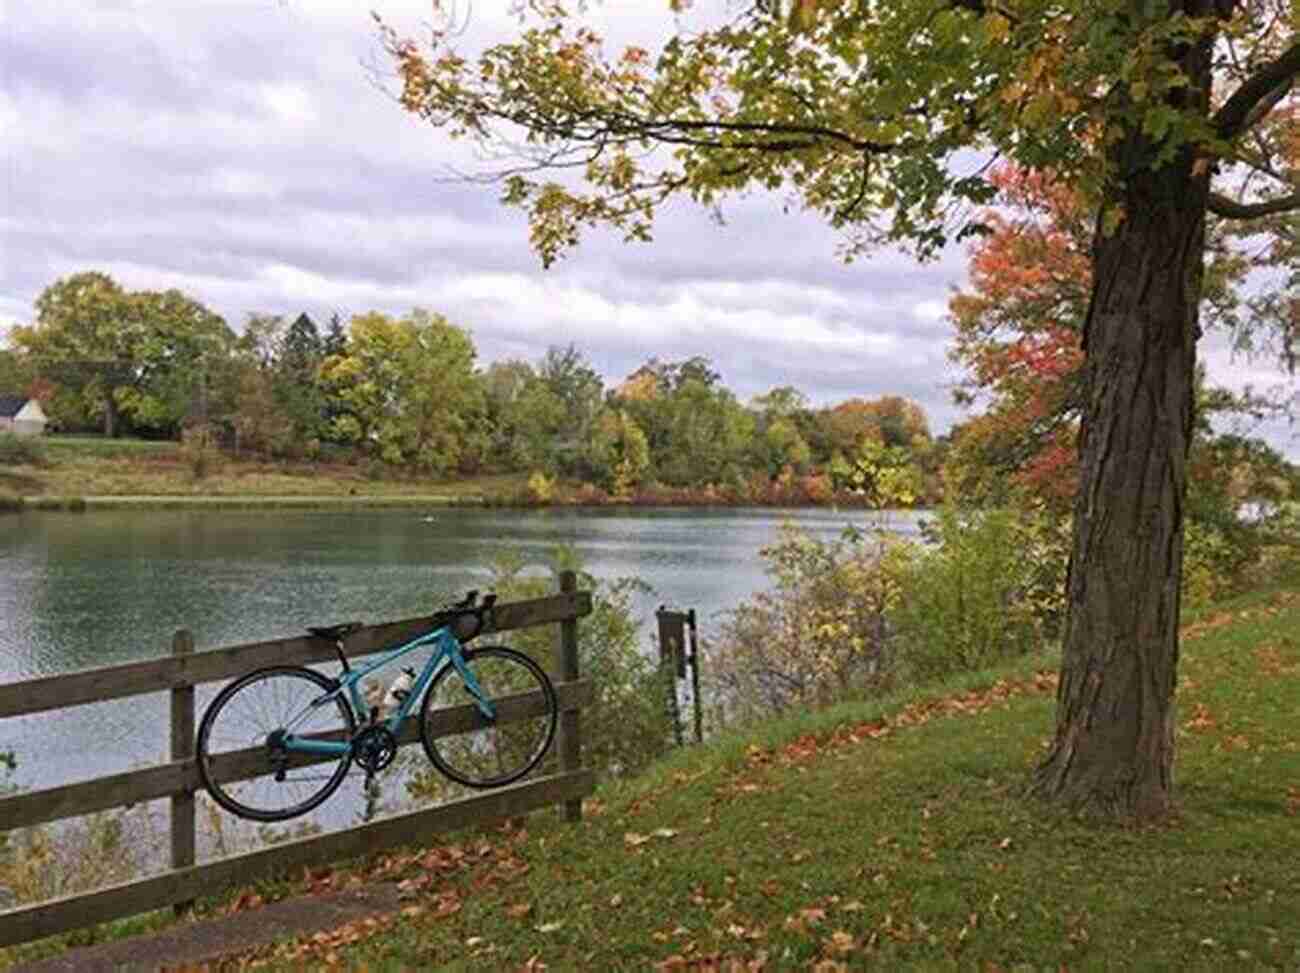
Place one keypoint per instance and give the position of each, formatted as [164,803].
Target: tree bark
[110,415]
[1113,751]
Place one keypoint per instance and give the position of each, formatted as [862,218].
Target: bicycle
[298,719]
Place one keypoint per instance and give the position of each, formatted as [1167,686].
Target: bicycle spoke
[245,716]
[490,754]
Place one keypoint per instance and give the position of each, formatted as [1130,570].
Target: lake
[85,590]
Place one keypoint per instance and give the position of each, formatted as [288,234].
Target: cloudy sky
[243,152]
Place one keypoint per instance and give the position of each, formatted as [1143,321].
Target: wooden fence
[178,779]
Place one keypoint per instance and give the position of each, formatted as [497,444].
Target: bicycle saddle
[335,633]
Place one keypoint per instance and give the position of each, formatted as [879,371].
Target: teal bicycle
[275,743]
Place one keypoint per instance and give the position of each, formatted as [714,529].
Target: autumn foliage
[1018,331]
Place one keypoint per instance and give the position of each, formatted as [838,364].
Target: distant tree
[410,389]
[134,354]
[569,377]
[781,402]
[299,392]
[617,453]
[503,385]
[17,372]
[783,446]
[335,340]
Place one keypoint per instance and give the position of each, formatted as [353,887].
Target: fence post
[695,678]
[570,720]
[182,743]
[672,662]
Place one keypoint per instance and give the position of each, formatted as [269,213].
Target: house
[21,415]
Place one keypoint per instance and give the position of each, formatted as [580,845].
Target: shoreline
[84,504]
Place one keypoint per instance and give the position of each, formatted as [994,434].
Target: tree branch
[1233,210]
[1257,94]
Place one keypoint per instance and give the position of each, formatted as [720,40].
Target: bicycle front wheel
[240,759]
[473,750]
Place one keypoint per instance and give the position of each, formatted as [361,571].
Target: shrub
[977,594]
[818,636]
[200,450]
[18,450]
[816,488]
[541,488]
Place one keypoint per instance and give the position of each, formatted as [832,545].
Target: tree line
[409,392]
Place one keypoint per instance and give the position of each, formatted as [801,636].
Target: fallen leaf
[841,942]
[550,926]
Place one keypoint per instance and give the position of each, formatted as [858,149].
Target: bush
[978,594]
[541,488]
[18,450]
[819,636]
[200,450]
[848,619]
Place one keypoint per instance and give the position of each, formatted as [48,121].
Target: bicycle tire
[213,730]
[463,756]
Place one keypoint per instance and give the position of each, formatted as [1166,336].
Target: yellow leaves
[841,942]
[634,840]
[996,27]
[803,15]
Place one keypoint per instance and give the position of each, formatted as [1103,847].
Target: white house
[21,415]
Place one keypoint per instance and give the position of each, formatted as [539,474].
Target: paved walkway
[195,943]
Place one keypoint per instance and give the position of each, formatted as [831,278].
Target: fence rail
[179,780]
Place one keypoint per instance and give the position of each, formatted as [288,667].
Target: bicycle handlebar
[467,606]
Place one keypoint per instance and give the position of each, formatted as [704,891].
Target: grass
[889,835]
[896,835]
[80,466]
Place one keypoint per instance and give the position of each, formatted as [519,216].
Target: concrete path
[195,943]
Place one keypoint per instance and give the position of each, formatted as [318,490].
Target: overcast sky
[242,152]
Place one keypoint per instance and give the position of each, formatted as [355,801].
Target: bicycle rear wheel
[464,744]
[240,760]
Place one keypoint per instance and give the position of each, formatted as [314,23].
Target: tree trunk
[110,415]
[1113,751]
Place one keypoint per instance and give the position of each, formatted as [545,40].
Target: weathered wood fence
[178,779]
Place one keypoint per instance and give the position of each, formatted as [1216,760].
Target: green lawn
[89,466]
[896,836]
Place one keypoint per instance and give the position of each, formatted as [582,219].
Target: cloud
[247,153]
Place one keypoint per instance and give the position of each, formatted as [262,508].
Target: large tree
[883,117]
[1019,326]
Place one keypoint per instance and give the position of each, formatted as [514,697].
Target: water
[95,589]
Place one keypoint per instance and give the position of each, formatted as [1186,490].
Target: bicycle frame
[448,653]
